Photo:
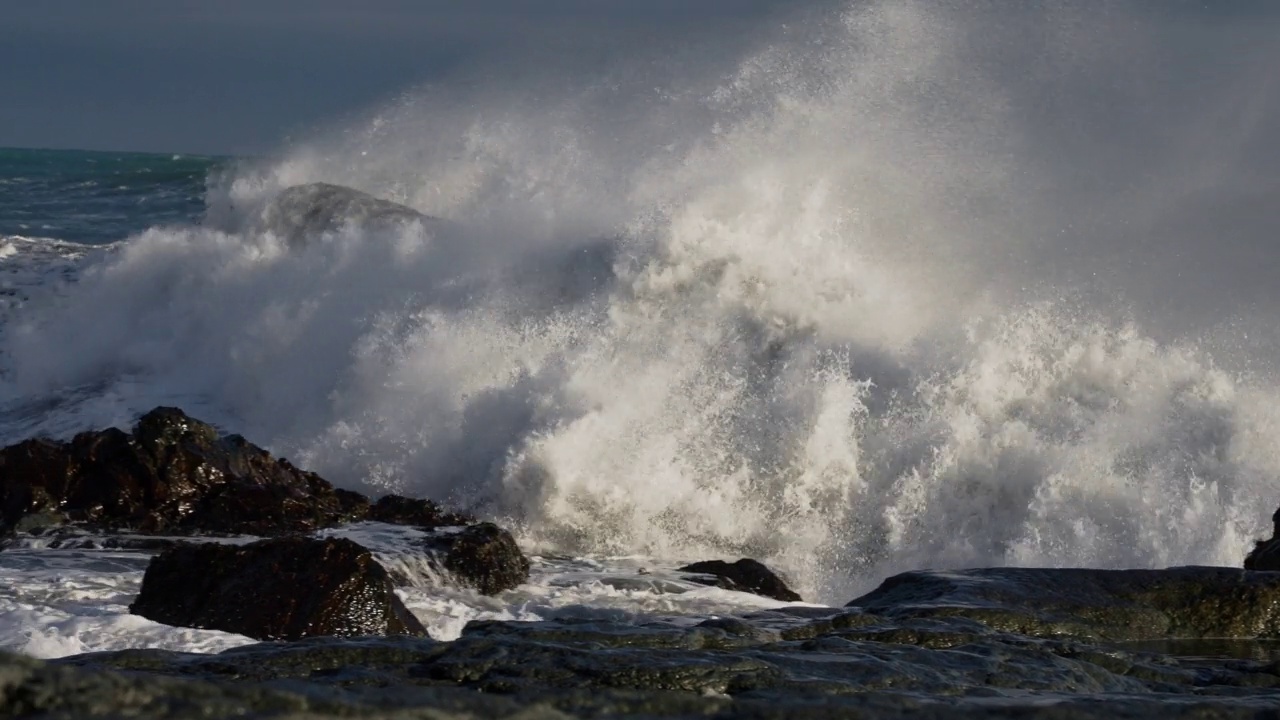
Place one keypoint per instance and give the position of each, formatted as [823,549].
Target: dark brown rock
[1266,553]
[745,575]
[278,589]
[171,474]
[485,557]
[400,510]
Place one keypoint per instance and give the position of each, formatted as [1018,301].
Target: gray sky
[237,76]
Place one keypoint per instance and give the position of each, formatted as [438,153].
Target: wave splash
[803,311]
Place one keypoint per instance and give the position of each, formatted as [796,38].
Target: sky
[241,76]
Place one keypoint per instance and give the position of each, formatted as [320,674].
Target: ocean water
[909,285]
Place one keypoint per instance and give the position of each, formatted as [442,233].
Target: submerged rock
[277,589]
[173,473]
[303,212]
[1186,602]
[745,575]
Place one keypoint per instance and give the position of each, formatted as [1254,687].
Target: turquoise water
[98,197]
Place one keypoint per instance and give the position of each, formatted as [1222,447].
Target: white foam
[64,602]
[625,589]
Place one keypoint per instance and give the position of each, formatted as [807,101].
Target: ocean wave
[813,312]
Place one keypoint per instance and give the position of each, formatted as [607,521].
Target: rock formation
[1266,553]
[304,212]
[482,556]
[745,575]
[1187,602]
[276,589]
[171,474]
[400,510]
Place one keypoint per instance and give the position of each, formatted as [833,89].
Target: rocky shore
[1000,642]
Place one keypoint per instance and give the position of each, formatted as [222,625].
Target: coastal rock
[745,575]
[773,666]
[1266,553]
[277,589]
[400,510]
[171,474]
[481,556]
[304,212]
[1120,605]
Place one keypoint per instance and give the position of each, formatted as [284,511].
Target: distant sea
[98,197]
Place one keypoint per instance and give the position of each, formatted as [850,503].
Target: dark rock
[400,510]
[745,575]
[1266,553]
[171,474]
[305,212]
[482,556]
[355,507]
[282,588]
[1187,602]
[936,669]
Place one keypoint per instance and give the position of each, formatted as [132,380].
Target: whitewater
[909,285]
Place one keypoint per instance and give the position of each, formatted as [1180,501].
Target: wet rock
[716,670]
[481,556]
[39,522]
[1266,553]
[745,575]
[1187,602]
[171,474]
[355,507]
[400,510]
[282,588]
[305,212]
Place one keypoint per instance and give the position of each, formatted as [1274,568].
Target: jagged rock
[355,507]
[482,556]
[1266,553]
[1186,602]
[277,589]
[745,575]
[400,510]
[171,474]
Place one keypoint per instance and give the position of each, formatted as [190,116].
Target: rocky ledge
[860,662]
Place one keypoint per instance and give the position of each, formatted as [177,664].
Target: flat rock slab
[277,589]
[775,664]
[1185,602]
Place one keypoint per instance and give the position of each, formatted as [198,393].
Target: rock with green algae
[1123,605]
[773,664]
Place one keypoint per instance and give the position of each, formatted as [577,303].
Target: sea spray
[850,308]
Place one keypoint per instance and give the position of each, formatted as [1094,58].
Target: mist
[881,287]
